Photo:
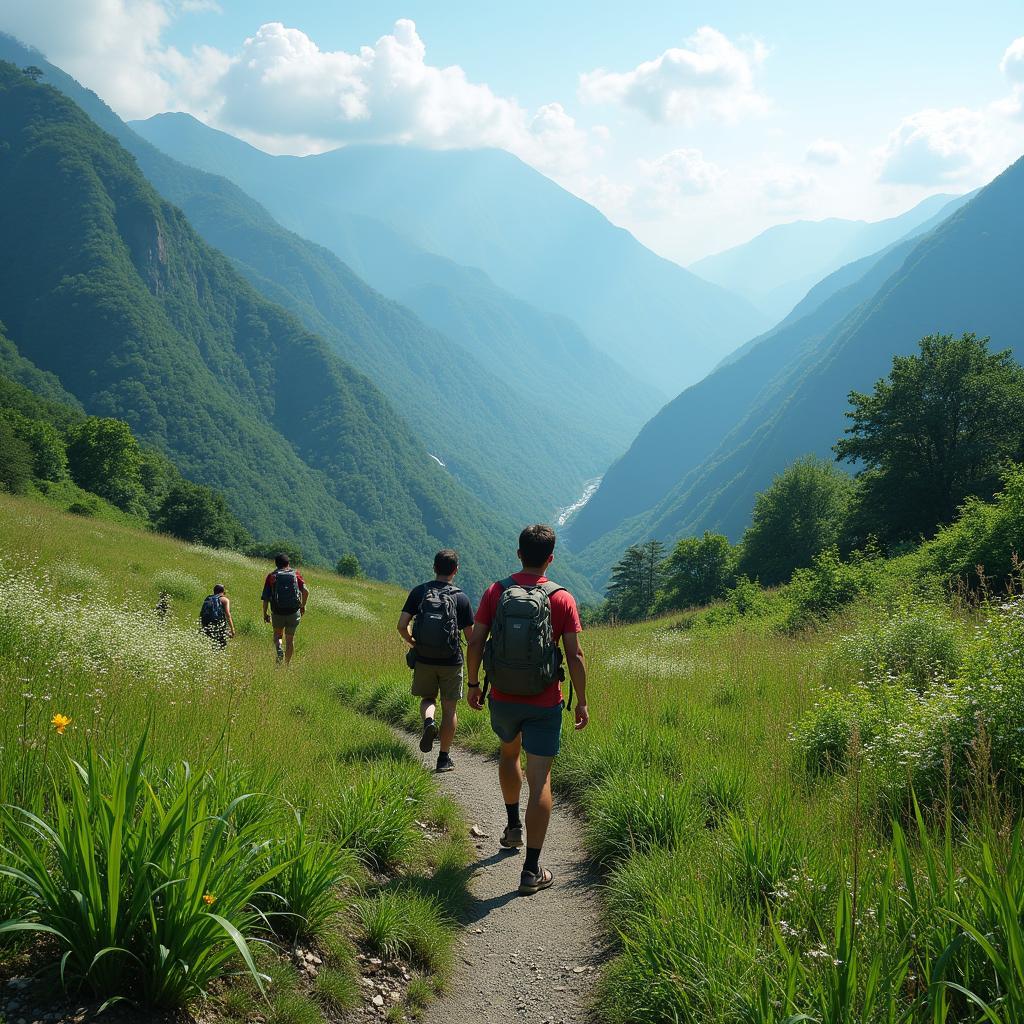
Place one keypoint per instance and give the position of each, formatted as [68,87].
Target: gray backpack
[521,657]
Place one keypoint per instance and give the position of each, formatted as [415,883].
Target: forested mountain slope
[546,435]
[486,209]
[107,286]
[700,462]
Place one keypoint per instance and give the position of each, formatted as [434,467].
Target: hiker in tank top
[438,612]
[519,625]
[284,604]
[215,617]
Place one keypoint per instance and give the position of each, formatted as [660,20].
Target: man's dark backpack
[285,598]
[212,611]
[521,657]
[436,625]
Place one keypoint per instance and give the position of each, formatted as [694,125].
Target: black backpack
[285,599]
[212,611]
[436,626]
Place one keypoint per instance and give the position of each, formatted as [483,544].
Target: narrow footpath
[532,959]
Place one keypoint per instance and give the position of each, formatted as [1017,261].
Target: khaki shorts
[429,680]
[289,623]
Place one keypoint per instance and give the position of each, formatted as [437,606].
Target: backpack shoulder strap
[551,588]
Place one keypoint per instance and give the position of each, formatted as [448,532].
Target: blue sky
[695,125]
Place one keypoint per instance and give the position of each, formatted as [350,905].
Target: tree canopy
[937,431]
[699,570]
[801,513]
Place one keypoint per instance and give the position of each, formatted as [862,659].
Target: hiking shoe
[445,763]
[280,655]
[533,881]
[511,838]
[428,737]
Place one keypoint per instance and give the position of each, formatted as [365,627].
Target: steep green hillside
[484,208]
[108,288]
[791,388]
[546,440]
[775,269]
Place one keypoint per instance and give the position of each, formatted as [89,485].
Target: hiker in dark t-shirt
[438,612]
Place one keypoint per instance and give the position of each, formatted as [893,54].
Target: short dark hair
[446,561]
[218,588]
[536,543]
[281,560]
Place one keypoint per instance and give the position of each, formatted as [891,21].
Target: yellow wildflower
[60,723]
[209,899]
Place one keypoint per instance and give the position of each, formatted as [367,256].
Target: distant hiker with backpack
[215,616]
[438,612]
[519,625]
[284,603]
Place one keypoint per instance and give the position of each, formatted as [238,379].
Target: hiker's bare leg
[448,724]
[289,647]
[278,638]
[428,709]
[538,808]
[510,775]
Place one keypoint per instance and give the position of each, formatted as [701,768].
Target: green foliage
[348,566]
[800,515]
[142,883]
[49,454]
[197,513]
[635,581]
[402,923]
[699,570]
[271,549]
[16,464]
[105,458]
[373,817]
[987,536]
[937,431]
[825,586]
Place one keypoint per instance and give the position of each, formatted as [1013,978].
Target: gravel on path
[531,959]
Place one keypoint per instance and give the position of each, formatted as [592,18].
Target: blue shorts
[541,727]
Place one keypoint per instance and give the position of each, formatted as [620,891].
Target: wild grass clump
[375,816]
[179,584]
[627,814]
[400,923]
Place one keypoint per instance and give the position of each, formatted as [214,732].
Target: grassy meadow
[259,795]
[792,824]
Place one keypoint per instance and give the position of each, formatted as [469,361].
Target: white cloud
[710,73]
[663,183]
[786,184]
[827,153]
[1012,64]
[934,147]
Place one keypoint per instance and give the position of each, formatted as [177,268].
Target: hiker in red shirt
[519,625]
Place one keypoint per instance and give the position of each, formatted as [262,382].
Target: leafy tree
[933,434]
[49,457]
[105,458]
[699,570]
[348,565]
[33,72]
[635,580]
[802,513]
[197,513]
[16,462]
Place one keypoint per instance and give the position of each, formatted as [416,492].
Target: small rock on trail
[529,959]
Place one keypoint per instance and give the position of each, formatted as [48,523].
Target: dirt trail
[531,959]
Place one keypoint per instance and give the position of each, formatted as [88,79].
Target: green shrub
[81,508]
[826,585]
[919,645]
[759,856]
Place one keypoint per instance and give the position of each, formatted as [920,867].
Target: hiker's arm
[474,656]
[577,667]
[403,628]
[227,613]
[304,590]
[266,610]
